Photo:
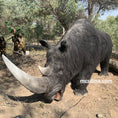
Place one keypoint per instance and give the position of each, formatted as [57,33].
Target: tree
[95,7]
[110,26]
[1,7]
[65,11]
[17,14]
[1,16]
[47,18]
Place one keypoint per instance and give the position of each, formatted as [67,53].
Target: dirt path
[100,102]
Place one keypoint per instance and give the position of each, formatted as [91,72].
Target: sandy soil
[100,102]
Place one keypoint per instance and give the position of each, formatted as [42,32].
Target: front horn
[35,85]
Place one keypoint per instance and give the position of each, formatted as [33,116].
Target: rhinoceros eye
[63,46]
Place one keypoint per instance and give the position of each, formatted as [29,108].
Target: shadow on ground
[30,99]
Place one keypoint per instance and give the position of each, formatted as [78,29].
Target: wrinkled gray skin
[74,58]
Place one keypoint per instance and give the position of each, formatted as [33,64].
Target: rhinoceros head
[51,84]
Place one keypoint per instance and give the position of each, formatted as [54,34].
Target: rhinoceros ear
[63,46]
[45,44]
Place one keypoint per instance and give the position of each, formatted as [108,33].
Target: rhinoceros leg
[104,67]
[78,87]
[80,82]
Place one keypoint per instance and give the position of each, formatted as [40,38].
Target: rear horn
[45,70]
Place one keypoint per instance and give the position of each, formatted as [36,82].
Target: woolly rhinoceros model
[74,58]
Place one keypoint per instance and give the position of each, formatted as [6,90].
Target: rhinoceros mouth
[58,96]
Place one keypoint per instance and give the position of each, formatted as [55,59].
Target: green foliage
[47,19]
[39,30]
[65,11]
[110,26]
[57,29]
[95,7]
[1,7]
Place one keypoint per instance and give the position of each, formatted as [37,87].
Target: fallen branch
[114,55]
[113,64]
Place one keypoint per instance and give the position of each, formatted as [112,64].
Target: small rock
[99,116]
[19,116]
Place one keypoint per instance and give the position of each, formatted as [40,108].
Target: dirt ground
[100,102]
